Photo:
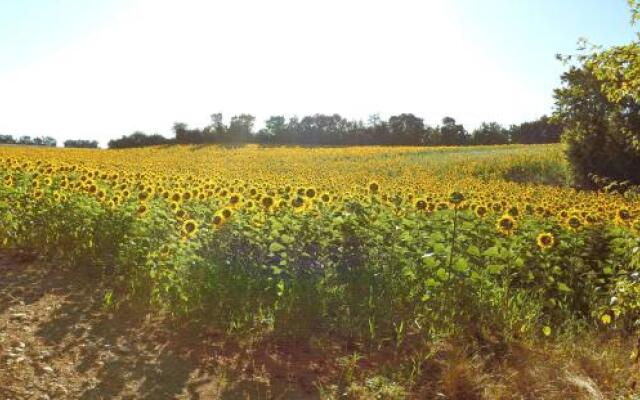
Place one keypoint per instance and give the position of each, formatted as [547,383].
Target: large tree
[599,108]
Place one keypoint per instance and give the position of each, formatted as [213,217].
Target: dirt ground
[57,342]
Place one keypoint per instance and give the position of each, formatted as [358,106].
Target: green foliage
[598,106]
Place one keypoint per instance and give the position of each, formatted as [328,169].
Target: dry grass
[589,368]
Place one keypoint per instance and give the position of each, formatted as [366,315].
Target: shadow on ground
[133,355]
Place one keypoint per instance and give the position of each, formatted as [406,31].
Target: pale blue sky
[100,69]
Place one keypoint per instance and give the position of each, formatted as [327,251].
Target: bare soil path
[57,342]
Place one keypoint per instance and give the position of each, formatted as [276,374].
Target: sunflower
[189,227]
[545,240]
[142,209]
[266,201]
[181,213]
[623,215]
[420,204]
[311,192]
[176,197]
[217,220]
[297,202]
[506,224]
[574,222]
[374,187]
[226,213]
[481,211]
[456,198]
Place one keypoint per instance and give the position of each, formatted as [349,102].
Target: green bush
[602,136]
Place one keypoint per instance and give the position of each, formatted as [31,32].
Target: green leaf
[441,273]
[430,282]
[429,262]
[493,251]
[563,288]
[495,269]
[461,265]
[276,247]
[286,239]
[474,251]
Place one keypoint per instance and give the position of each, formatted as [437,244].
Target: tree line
[29,141]
[47,141]
[321,129]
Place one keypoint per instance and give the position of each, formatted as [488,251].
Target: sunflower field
[370,243]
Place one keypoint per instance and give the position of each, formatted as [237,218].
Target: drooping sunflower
[545,240]
[506,224]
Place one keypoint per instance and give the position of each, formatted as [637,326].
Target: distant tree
[274,131]
[406,129]
[81,143]
[452,134]
[542,130]
[184,135]
[48,141]
[7,139]
[322,129]
[25,140]
[241,128]
[490,133]
[216,132]
[139,139]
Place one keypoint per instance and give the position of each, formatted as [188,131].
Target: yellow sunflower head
[574,222]
[189,227]
[545,240]
[506,224]
[456,198]
[420,204]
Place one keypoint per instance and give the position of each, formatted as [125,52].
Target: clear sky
[98,69]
